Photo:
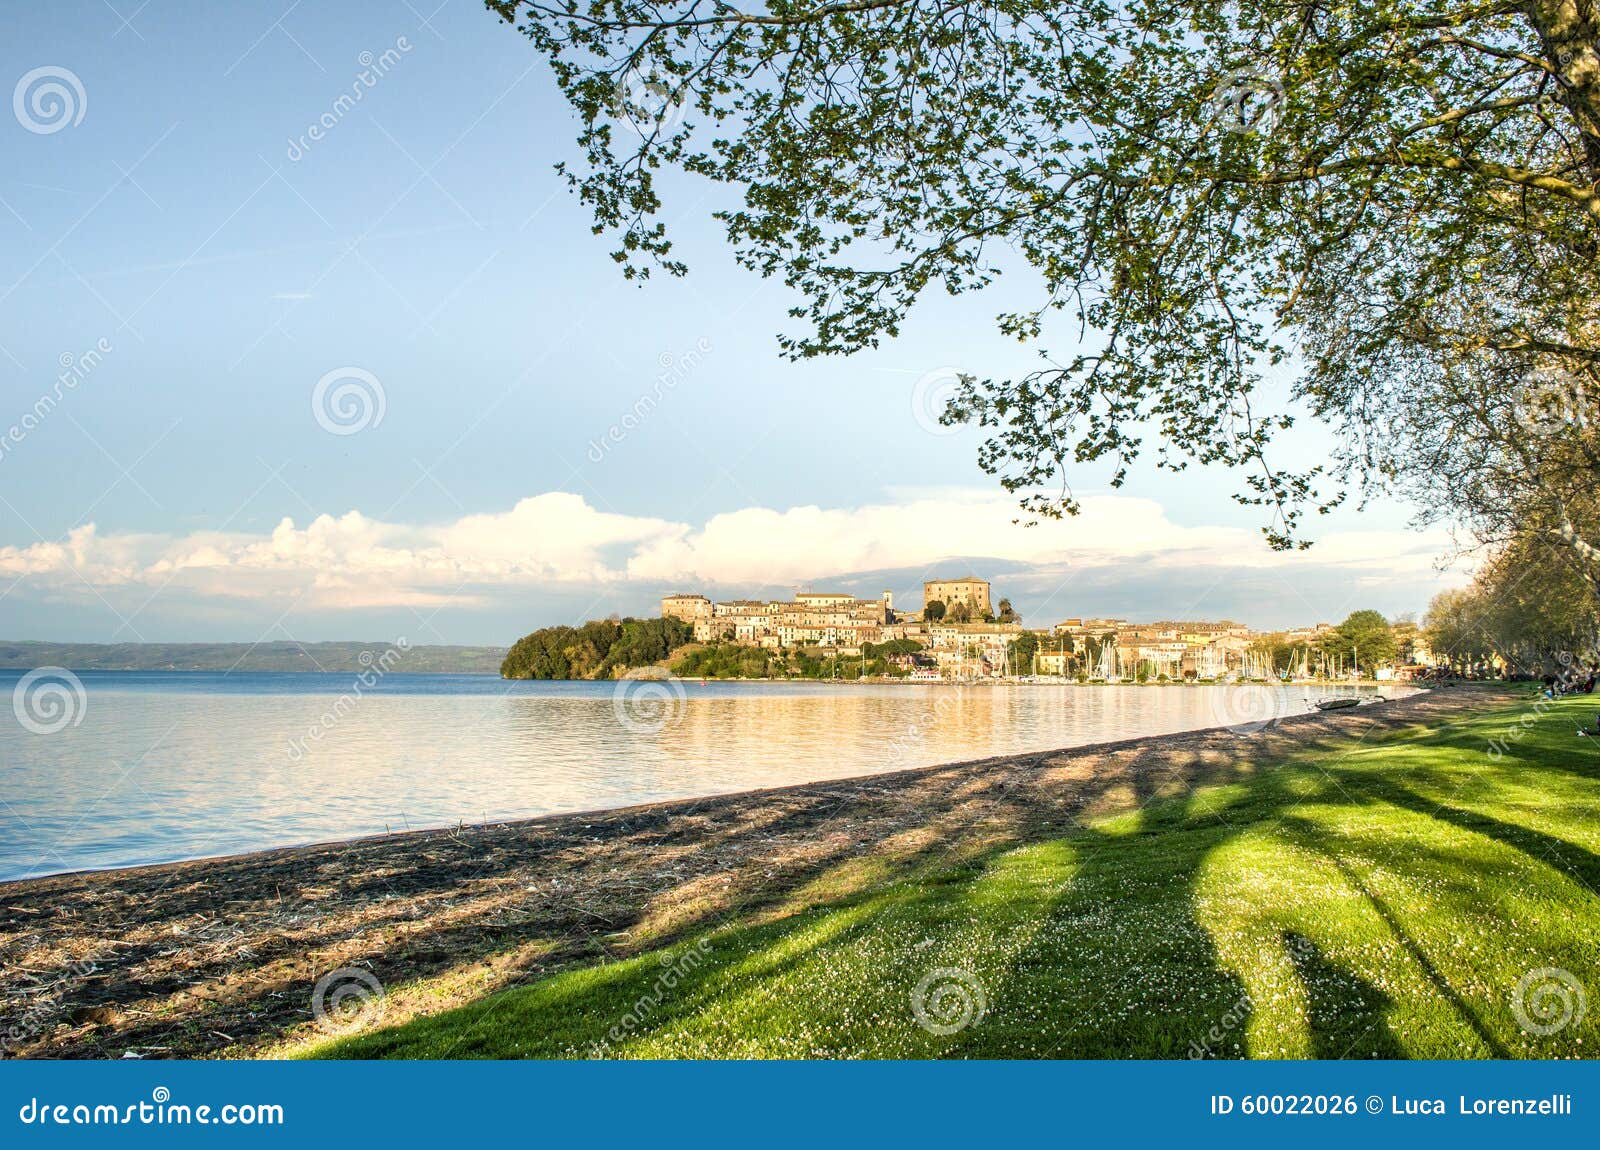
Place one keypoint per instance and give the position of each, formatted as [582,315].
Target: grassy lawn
[1382,901]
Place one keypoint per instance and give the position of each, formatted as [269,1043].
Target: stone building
[690,608]
[967,592]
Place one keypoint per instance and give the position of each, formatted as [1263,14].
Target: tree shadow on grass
[1149,983]
[602,1011]
[1114,970]
[1113,965]
[1582,864]
[1347,1015]
[1313,837]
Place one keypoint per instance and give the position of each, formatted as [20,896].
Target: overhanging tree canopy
[1375,191]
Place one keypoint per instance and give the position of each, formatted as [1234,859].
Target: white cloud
[558,541]
[758,545]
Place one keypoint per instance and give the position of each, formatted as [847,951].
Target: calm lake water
[155,766]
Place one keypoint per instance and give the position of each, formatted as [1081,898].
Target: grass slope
[1382,901]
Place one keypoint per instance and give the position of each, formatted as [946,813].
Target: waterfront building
[1052,663]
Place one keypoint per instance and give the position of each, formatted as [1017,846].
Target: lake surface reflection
[152,767]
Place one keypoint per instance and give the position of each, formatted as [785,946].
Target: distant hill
[275,656]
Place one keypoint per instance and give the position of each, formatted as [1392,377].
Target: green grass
[1381,900]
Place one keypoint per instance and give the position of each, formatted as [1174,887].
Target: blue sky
[179,217]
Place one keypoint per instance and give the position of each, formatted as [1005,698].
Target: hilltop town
[960,632]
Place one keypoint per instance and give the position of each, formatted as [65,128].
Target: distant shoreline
[341,656]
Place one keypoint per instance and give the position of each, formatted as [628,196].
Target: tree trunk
[1570,32]
[1587,554]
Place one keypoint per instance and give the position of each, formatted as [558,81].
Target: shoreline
[881,681]
[218,956]
[591,812]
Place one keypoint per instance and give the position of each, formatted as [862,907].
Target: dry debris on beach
[219,957]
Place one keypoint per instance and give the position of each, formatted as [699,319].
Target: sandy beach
[219,957]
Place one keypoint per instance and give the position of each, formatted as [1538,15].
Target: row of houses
[962,637]
[810,619]
[959,635]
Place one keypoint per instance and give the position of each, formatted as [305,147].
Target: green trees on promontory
[596,650]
